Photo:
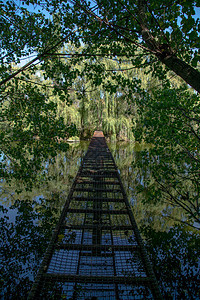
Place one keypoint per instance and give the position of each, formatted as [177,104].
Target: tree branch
[38,57]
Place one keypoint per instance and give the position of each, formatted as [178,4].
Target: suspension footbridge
[96,251]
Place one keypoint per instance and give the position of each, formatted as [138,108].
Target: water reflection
[27,219]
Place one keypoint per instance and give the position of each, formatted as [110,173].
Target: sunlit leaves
[32,132]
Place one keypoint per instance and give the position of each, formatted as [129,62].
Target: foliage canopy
[115,62]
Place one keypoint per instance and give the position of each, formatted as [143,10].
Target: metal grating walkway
[96,251]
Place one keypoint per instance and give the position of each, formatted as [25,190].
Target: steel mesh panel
[64,262]
[96,251]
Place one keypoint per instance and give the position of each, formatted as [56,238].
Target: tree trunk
[166,55]
[185,71]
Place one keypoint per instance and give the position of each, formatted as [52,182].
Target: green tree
[170,119]
[152,38]
[166,32]
[30,130]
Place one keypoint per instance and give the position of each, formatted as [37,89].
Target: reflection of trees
[25,236]
[22,244]
[175,259]
[60,174]
[23,241]
[173,248]
[135,176]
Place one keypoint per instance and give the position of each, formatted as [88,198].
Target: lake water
[27,219]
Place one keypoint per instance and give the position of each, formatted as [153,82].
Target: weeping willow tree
[99,103]
[91,102]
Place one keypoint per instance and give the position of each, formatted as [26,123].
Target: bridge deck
[96,251]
